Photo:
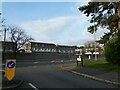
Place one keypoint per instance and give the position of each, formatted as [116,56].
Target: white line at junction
[36,62]
[52,61]
[30,84]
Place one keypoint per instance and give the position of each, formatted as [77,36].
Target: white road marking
[36,62]
[61,60]
[33,86]
[52,61]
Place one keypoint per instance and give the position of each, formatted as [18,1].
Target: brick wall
[39,56]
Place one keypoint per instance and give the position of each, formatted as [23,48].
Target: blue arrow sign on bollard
[10,69]
[11,64]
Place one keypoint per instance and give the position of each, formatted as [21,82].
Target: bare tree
[19,37]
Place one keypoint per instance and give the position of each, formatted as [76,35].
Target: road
[50,74]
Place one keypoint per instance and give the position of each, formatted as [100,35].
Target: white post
[89,57]
[95,42]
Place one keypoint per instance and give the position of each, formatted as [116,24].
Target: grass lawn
[102,65]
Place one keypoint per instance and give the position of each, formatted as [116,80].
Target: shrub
[112,51]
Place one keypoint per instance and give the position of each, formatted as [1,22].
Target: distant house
[36,47]
[91,50]
[28,47]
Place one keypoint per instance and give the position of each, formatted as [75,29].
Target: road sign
[10,69]
[79,59]
[11,64]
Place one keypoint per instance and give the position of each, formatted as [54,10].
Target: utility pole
[95,43]
[95,35]
[4,44]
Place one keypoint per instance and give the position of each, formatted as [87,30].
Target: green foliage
[103,14]
[104,39]
[112,51]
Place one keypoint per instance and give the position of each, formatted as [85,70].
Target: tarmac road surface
[50,75]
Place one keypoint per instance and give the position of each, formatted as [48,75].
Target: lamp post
[95,42]
[4,37]
[95,35]
[4,44]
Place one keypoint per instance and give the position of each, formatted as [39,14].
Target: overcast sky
[51,22]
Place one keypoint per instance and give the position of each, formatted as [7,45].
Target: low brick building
[33,47]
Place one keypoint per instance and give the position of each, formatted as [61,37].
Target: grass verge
[102,65]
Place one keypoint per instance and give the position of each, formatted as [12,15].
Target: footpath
[103,76]
[10,85]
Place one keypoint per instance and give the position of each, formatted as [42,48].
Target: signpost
[80,58]
[10,69]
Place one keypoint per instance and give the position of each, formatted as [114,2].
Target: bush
[112,51]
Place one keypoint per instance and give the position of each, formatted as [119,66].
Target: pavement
[11,84]
[102,76]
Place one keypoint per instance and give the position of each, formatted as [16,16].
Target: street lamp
[95,44]
[4,39]
[95,38]
[4,44]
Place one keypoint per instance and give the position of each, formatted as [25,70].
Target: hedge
[112,51]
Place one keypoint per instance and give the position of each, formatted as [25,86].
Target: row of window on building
[50,50]
[32,47]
